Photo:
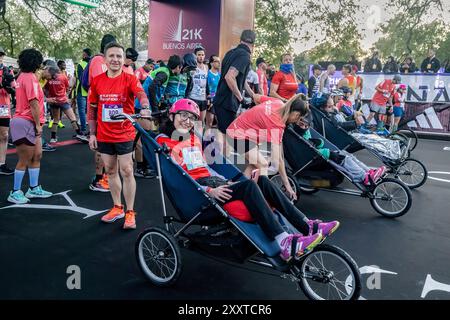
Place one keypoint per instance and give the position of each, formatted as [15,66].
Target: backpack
[85,78]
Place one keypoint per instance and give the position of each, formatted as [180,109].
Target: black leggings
[255,197]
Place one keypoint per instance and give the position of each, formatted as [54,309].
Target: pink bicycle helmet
[402,86]
[185,105]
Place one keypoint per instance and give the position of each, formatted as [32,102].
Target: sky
[373,13]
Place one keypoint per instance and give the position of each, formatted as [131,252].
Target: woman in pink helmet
[186,149]
[399,106]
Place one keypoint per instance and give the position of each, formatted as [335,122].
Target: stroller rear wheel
[391,198]
[412,172]
[158,256]
[329,273]
[276,180]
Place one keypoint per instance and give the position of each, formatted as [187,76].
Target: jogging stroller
[203,225]
[309,171]
[411,172]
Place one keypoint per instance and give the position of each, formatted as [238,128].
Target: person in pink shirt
[130,59]
[265,123]
[26,128]
[261,71]
[143,72]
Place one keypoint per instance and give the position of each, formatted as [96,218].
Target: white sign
[423,88]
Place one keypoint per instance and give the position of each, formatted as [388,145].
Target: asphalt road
[38,245]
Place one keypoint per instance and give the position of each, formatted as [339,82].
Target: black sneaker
[4,170]
[144,173]
[47,148]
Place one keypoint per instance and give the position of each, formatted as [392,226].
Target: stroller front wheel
[391,198]
[158,256]
[412,172]
[329,273]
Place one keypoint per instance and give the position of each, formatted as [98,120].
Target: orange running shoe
[115,213]
[130,220]
[104,182]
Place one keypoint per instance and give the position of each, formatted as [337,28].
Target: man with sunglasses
[113,93]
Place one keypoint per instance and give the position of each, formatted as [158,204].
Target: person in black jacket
[391,65]
[314,80]
[430,64]
[408,66]
[373,64]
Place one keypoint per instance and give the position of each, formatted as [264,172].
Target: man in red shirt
[96,67]
[384,92]
[113,93]
[56,90]
[261,71]
[143,72]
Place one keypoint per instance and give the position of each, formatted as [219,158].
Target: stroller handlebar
[133,117]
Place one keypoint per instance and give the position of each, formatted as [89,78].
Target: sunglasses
[184,116]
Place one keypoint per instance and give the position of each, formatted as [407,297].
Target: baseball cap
[248,36]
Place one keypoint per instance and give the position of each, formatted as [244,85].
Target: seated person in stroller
[186,150]
[356,170]
[325,103]
[345,106]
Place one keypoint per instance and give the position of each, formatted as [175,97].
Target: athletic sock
[18,177]
[34,177]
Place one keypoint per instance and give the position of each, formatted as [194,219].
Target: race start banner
[85,3]
[178,27]
[422,88]
[427,107]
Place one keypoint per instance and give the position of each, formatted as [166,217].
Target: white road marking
[439,179]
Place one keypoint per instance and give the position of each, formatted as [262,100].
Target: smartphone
[255,175]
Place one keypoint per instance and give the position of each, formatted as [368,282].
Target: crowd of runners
[231,104]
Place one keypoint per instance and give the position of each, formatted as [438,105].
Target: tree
[339,36]
[408,34]
[62,30]
[276,28]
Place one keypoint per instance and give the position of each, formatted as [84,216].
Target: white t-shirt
[252,77]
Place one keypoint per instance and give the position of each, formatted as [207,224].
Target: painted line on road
[446,149]
[439,172]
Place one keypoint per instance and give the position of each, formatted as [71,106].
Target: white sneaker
[53,140]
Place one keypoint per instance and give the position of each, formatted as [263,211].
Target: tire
[317,259]
[167,248]
[414,138]
[276,180]
[382,189]
[412,173]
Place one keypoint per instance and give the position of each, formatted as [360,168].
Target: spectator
[284,83]
[354,62]
[143,72]
[81,93]
[391,66]
[325,82]
[253,81]
[262,77]
[408,66]
[131,57]
[314,80]
[359,87]
[430,64]
[270,73]
[301,85]
[348,81]
[373,64]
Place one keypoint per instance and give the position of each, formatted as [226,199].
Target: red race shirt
[263,81]
[141,74]
[128,69]
[57,88]
[97,66]
[382,98]
[188,154]
[114,96]
[27,89]
[287,86]
[262,123]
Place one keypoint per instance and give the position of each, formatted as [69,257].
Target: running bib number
[193,158]
[110,110]
[4,111]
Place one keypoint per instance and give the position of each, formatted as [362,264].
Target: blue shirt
[213,82]
[302,89]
